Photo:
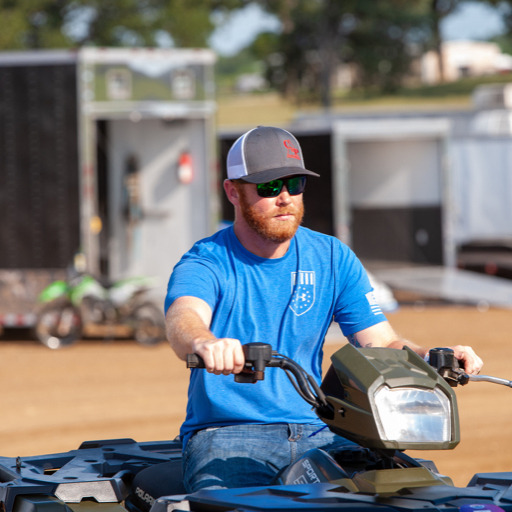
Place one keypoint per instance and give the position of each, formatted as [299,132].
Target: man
[265,279]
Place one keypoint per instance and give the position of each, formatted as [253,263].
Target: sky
[472,20]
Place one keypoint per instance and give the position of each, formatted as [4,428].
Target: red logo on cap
[293,152]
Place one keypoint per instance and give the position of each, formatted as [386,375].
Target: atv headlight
[412,415]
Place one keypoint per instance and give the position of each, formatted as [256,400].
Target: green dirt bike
[69,306]
[385,400]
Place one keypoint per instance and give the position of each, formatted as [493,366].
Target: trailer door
[156,192]
[391,189]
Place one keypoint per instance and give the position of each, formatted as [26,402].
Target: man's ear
[231,192]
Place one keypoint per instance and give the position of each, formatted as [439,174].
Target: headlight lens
[413,415]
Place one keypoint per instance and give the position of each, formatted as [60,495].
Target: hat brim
[275,174]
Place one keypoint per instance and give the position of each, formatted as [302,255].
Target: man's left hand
[472,363]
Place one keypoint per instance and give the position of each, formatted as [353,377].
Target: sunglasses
[295,186]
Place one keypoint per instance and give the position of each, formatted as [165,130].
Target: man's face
[274,218]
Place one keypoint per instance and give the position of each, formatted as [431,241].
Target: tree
[32,24]
[64,23]
[307,50]
[438,10]
[318,35]
[382,40]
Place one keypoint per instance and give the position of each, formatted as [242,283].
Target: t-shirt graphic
[374,304]
[303,291]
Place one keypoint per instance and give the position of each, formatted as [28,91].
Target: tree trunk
[437,39]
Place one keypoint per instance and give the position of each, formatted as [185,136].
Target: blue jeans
[249,455]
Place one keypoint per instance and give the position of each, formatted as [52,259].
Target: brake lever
[443,360]
[257,356]
[447,365]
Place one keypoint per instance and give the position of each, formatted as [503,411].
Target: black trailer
[39,196]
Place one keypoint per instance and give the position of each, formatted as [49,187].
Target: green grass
[252,109]
[461,88]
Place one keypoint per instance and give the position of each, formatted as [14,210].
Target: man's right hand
[221,356]
[187,325]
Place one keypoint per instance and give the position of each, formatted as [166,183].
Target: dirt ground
[51,401]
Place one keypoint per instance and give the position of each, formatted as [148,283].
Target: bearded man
[267,279]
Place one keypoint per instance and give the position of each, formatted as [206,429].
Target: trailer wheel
[58,325]
[148,324]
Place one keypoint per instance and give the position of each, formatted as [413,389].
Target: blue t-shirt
[288,302]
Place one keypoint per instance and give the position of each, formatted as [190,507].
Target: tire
[148,324]
[58,325]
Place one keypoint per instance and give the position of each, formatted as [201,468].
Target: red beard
[266,226]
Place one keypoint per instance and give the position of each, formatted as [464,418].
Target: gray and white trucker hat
[264,154]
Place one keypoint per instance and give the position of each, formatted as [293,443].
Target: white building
[465,58]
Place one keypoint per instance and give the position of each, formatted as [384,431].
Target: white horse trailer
[392,189]
[109,153]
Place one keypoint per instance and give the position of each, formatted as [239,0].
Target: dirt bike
[83,300]
[385,400]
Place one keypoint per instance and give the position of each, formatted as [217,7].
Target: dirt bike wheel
[148,324]
[58,325]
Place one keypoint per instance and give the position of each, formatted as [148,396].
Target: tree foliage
[65,23]
[379,38]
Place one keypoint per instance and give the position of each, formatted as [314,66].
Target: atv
[385,400]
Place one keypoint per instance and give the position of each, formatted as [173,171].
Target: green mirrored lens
[294,185]
[270,189]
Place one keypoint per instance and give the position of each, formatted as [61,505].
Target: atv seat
[149,484]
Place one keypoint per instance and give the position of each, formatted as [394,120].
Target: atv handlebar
[259,356]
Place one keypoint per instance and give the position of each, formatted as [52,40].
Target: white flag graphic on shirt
[303,291]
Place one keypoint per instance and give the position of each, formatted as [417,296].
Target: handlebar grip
[257,357]
[194,361]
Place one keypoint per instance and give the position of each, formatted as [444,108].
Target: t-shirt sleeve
[356,307]
[193,278]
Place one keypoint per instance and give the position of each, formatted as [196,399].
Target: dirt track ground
[51,401]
